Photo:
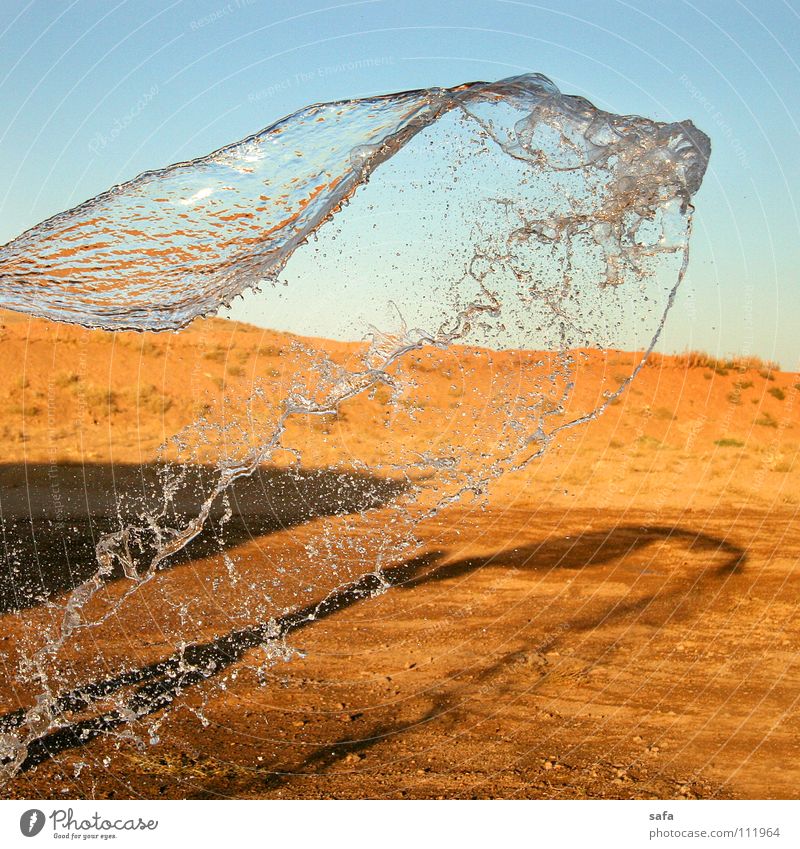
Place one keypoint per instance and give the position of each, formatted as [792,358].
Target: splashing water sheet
[480,240]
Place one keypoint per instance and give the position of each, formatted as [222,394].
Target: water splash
[178,243]
[526,219]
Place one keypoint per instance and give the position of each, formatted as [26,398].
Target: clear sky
[92,93]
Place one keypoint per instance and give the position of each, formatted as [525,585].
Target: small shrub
[777,392]
[153,399]
[767,420]
[663,414]
[700,359]
[217,355]
[28,410]
[102,401]
[727,442]
[382,394]
[67,379]
[151,348]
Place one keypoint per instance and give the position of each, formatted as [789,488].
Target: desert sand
[619,619]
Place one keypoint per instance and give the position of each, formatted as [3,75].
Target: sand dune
[618,619]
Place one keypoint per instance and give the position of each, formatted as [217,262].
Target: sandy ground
[619,619]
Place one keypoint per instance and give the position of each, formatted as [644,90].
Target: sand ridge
[619,619]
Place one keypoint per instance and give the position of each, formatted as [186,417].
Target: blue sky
[93,93]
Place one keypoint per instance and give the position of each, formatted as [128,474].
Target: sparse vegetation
[424,364]
[777,392]
[663,414]
[216,355]
[67,379]
[151,348]
[382,394]
[26,410]
[722,366]
[767,420]
[151,398]
[101,401]
[701,359]
[735,397]
[728,442]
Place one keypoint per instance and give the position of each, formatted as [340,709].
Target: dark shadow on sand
[52,516]
[156,686]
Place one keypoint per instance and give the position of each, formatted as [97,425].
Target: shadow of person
[155,686]
[52,516]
